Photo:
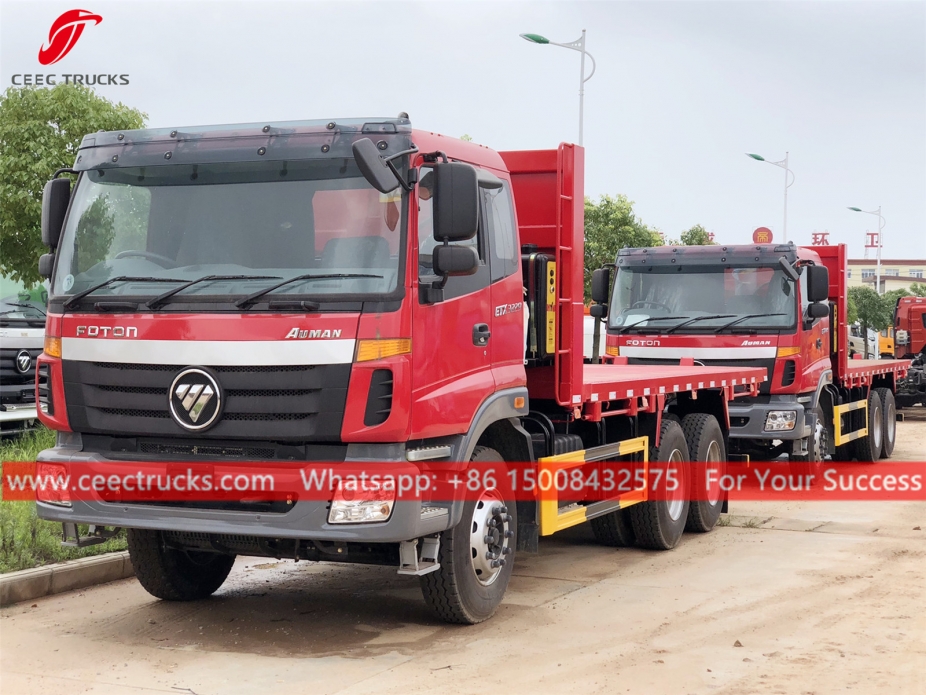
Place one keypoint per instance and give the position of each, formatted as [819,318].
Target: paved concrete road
[822,597]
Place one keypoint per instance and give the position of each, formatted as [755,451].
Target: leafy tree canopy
[40,131]
[696,236]
[610,225]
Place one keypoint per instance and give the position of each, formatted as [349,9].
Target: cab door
[452,339]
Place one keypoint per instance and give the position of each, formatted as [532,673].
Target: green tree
[696,236]
[918,289]
[466,138]
[852,310]
[611,225]
[874,312]
[40,131]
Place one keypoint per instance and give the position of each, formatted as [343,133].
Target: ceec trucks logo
[64,33]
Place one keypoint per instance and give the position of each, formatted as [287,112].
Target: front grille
[286,403]
[8,372]
[235,452]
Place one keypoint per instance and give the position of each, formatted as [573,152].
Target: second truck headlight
[779,420]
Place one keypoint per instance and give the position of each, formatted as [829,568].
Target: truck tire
[889,418]
[466,589]
[868,449]
[175,575]
[705,444]
[659,524]
[614,529]
[812,464]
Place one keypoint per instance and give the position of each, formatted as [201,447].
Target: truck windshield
[19,306]
[745,299]
[253,224]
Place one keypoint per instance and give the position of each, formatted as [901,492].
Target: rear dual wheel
[659,524]
[889,420]
[868,449]
[706,446]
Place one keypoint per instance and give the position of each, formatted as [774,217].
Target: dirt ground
[785,598]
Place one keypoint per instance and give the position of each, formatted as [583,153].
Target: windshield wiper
[72,302]
[648,318]
[699,318]
[743,318]
[251,298]
[23,306]
[157,301]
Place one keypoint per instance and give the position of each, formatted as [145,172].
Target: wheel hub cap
[490,532]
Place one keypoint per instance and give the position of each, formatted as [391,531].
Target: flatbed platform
[862,372]
[616,382]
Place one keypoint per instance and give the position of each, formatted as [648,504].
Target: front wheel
[175,575]
[476,556]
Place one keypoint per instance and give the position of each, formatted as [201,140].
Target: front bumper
[307,519]
[748,418]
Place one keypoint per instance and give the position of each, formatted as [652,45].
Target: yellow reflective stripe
[550,518]
[838,411]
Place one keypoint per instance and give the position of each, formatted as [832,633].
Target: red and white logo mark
[64,33]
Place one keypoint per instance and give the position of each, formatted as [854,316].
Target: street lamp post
[881,226]
[577,45]
[784,165]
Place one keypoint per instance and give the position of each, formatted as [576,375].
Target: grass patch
[25,540]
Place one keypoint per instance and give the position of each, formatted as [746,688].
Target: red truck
[779,307]
[348,291]
[910,343]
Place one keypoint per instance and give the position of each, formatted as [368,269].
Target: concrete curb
[26,585]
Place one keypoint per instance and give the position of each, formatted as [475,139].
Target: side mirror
[46,265]
[373,167]
[599,311]
[55,199]
[601,285]
[818,283]
[454,260]
[456,202]
[818,310]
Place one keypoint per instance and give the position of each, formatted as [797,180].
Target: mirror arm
[789,270]
[65,170]
[406,186]
[433,157]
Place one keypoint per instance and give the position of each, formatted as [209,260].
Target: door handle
[819,343]
[481,334]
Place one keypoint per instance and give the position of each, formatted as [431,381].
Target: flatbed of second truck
[612,382]
[861,372]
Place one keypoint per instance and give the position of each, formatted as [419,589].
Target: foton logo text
[63,35]
[105,331]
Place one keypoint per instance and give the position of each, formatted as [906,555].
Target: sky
[682,90]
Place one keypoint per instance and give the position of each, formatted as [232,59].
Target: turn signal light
[52,346]
[789,351]
[613,350]
[379,349]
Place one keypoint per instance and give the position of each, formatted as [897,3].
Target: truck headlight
[778,420]
[361,502]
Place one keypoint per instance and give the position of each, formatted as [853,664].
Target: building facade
[895,274]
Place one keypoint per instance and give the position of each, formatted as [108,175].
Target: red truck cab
[778,307]
[910,343]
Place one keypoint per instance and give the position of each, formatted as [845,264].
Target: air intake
[787,378]
[44,388]
[379,400]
